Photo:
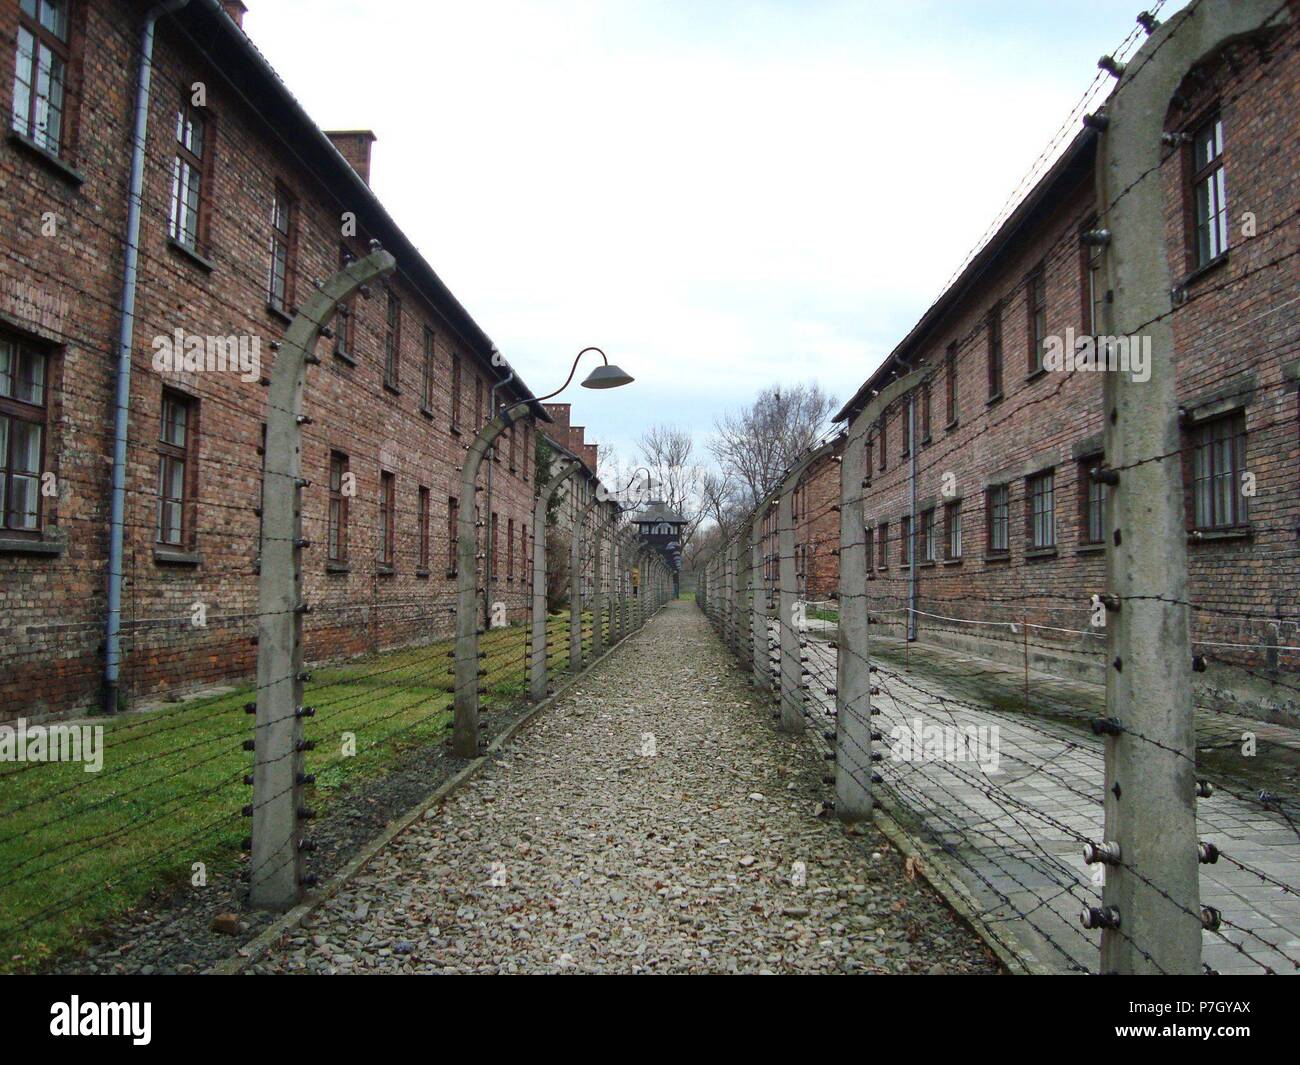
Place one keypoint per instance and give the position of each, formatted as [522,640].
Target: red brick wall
[1236,335]
[54,605]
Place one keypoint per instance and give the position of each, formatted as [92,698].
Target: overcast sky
[722,194]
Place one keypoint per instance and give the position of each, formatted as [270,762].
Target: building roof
[210,31]
[657,511]
[1074,164]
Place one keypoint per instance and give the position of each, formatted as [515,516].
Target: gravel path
[650,821]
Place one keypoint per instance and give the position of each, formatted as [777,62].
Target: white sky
[722,194]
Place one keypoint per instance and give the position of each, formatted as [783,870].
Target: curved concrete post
[276,866]
[464,734]
[598,537]
[852,664]
[537,658]
[1150,781]
[575,592]
[758,607]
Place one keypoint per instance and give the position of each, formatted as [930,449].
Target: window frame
[1040,511]
[453,536]
[200,164]
[1036,316]
[996,369]
[38,414]
[170,453]
[952,530]
[282,301]
[1092,503]
[336,523]
[1231,445]
[60,51]
[387,527]
[423,503]
[950,383]
[1201,174]
[392,341]
[997,516]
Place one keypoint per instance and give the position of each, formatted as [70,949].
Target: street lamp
[465,722]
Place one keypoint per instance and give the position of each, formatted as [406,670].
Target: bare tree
[668,452]
[755,445]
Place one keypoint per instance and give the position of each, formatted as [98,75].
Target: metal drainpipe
[487,555]
[125,341]
[913,447]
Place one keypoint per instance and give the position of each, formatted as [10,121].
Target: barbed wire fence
[1004,759]
[253,715]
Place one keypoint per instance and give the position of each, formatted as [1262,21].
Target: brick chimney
[354,146]
[236,11]
[590,452]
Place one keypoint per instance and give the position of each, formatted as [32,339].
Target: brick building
[1008,519]
[244,204]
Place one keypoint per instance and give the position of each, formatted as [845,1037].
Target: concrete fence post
[597,584]
[1153,921]
[853,764]
[538,649]
[275,875]
[575,590]
[790,676]
[758,609]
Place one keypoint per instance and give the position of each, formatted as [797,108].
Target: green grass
[825,615]
[78,849]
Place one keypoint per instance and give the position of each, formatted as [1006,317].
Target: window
[344,320]
[175,439]
[905,539]
[337,548]
[882,546]
[868,455]
[387,517]
[453,533]
[868,540]
[528,447]
[525,565]
[997,508]
[905,427]
[392,341]
[514,428]
[510,549]
[884,421]
[455,392]
[41,72]
[1040,509]
[925,411]
[994,330]
[1209,197]
[950,381]
[1036,311]
[1218,462]
[426,373]
[23,418]
[952,529]
[1092,501]
[188,208]
[1094,286]
[496,558]
[280,280]
[422,519]
[929,534]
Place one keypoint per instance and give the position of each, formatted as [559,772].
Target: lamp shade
[607,377]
